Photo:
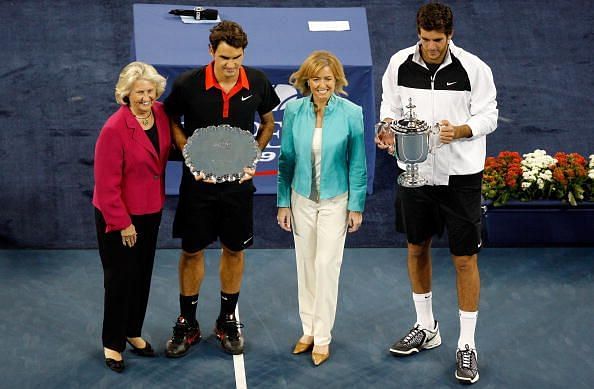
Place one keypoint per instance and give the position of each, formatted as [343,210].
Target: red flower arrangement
[567,177]
[501,177]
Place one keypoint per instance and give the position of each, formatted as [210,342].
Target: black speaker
[198,13]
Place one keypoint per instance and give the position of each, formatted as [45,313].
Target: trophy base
[408,180]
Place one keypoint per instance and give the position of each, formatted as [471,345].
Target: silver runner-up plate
[221,152]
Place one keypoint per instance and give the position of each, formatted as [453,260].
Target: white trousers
[319,229]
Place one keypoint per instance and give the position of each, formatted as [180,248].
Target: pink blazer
[129,175]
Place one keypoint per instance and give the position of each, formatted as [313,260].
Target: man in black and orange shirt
[223,92]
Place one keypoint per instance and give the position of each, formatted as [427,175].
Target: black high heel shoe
[146,351]
[117,366]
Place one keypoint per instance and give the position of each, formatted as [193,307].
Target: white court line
[238,363]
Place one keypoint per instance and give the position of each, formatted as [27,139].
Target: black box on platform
[538,223]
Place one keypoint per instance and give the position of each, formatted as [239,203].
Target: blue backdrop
[173,47]
[60,64]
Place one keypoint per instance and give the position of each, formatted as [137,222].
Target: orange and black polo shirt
[197,96]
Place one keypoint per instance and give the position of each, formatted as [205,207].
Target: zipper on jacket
[433,96]
[433,156]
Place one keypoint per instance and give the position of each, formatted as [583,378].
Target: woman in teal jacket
[322,182]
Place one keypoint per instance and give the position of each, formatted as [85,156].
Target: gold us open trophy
[412,139]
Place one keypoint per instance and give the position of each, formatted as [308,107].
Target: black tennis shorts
[425,211]
[217,211]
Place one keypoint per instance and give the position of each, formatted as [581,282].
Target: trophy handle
[382,128]
[384,133]
[379,127]
[434,142]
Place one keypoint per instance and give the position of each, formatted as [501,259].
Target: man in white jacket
[454,88]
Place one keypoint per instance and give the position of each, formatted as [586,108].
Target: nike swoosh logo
[194,302]
[251,237]
[451,83]
[245,98]
[480,244]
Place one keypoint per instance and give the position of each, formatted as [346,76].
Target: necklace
[144,120]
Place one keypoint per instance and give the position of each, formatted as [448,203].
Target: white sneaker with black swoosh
[417,339]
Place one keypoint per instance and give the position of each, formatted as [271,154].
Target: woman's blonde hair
[133,72]
[312,65]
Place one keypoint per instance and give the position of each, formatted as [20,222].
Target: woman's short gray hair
[133,72]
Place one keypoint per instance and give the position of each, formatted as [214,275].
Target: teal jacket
[343,166]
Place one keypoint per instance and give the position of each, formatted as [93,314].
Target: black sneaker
[417,339]
[227,330]
[184,336]
[466,366]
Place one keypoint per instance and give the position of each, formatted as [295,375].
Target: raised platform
[539,223]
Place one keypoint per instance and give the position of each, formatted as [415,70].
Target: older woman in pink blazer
[130,158]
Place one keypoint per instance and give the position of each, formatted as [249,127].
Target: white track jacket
[461,91]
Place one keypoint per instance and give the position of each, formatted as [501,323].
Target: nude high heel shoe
[319,358]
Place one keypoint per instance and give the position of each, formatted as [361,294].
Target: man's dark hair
[228,32]
[435,17]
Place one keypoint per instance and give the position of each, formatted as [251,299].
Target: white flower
[535,169]
[547,175]
[529,175]
[537,160]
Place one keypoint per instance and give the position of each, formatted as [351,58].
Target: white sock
[424,310]
[467,326]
